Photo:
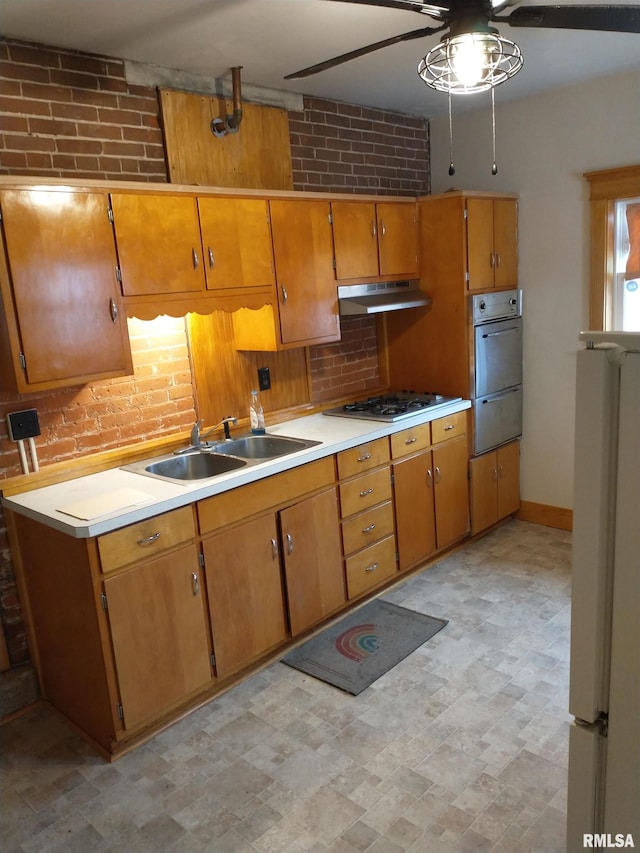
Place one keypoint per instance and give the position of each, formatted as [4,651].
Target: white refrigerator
[603,805]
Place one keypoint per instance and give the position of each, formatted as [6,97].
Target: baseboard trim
[550,516]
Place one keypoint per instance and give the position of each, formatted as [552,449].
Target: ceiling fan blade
[616,19]
[434,9]
[362,51]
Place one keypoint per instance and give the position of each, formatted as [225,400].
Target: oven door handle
[501,332]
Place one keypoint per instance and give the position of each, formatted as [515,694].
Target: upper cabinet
[159,245]
[375,239]
[61,317]
[236,239]
[492,243]
[306,309]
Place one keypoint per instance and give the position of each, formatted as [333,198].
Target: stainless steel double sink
[218,458]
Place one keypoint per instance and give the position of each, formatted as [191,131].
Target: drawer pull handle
[371,568]
[113,310]
[365,493]
[411,440]
[364,457]
[289,543]
[212,260]
[274,548]
[448,427]
[369,528]
[196,583]
[285,295]
[429,478]
[149,539]
[437,475]
[196,259]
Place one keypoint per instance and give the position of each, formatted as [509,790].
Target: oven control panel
[496,306]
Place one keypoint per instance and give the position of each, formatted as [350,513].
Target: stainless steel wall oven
[497,332]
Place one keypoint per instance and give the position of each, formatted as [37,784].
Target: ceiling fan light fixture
[470,62]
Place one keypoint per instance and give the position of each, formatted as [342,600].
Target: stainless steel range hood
[379,297]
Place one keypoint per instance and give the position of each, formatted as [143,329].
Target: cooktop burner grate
[391,407]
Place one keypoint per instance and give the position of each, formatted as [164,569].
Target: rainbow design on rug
[358,642]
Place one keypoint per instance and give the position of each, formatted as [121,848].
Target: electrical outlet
[264,379]
[23,424]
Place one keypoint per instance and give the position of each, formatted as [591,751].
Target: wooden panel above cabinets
[258,156]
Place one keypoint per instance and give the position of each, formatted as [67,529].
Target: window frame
[607,187]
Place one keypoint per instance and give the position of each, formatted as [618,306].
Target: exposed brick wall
[66,113]
[345,148]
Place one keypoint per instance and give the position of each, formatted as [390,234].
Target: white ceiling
[272,38]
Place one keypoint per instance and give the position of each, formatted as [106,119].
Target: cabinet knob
[383,229]
[429,478]
[113,309]
[366,492]
[285,295]
[212,259]
[437,477]
[410,440]
[374,230]
[195,583]
[448,427]
[196,259]
[371,568]
[369,528]
[289,538]
[364,457]
[274,549]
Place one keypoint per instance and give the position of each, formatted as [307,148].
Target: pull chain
[452,168]
[494,167]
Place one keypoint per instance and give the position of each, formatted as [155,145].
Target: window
[626,266]
[615,266]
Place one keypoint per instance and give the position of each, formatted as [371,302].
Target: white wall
[544,144]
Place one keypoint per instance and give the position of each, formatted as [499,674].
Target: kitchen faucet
[198,439]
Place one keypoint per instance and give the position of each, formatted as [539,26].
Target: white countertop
[139,496]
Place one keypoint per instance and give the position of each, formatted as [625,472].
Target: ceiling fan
[472,56]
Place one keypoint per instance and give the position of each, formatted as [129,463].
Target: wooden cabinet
[366,510]
[430,488]
[59,292]
[468,243]
[312,560]
[159,633]
[159,245]
[492,235]
[495,486]
[245,592]
[306,310]
[236,240]
[374,239]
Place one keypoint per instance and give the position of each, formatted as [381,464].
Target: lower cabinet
[495,486]
[312,560]
[245,592]
[159,633]
[430,488]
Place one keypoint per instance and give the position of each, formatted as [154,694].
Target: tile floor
[461,747]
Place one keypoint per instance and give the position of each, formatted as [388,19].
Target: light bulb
[467,59]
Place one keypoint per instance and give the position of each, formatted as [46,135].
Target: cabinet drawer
[139,541]
[364,492]
[371,567]
[241,503]
[410,440]
[362,458]
[367,527]
[445,428]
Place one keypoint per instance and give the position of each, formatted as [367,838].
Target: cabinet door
[312,559]
[415,516]
[508,467]
[245,591]
[480,252]
[62,260]
[236,239]
[397,239]
[505,240]
[303,250]
[355,237]
[451,490]
[159,245]
[159,633]
[484,491]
